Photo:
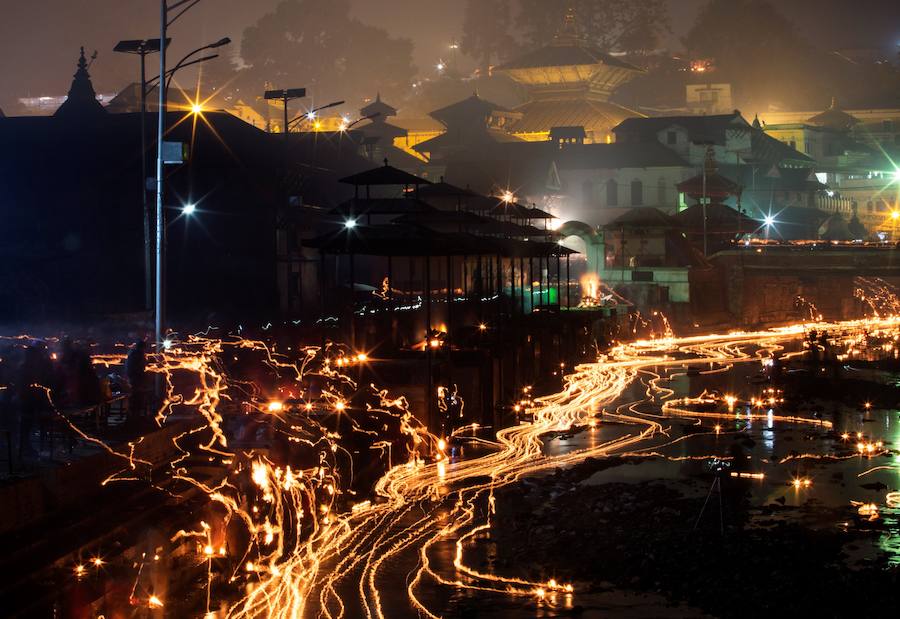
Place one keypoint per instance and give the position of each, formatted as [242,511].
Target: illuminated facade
[855,153]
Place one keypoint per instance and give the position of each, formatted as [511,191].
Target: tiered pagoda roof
[378,107]
[569,83]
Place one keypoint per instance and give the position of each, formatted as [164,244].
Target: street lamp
[769,223]
[346,127]
[164,22]
[189,209]
[285,95]
[142,47]
[183,62]
[311,115]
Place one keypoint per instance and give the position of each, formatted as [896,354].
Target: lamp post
[285,95]
[142,48]
[164,22]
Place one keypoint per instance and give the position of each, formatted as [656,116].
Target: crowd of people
[35,381]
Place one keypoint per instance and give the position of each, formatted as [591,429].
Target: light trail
[314,553]
[421,504]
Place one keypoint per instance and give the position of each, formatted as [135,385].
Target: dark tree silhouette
[317,45]
[486,31]
[759,51]
[629,25]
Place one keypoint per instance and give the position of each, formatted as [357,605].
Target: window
[661,192]
[637,193]
[793,144]
[671,138]
[612,192]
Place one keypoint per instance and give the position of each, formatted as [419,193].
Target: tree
[645,28]
[486,31]
[627,24]
[758,50]
[317,45]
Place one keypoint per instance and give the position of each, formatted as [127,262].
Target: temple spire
[82,99]
[568,33]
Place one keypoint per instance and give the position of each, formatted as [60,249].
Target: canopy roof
[384,175]
[399,239]
[381,206]
[445,190]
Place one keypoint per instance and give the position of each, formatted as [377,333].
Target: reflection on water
[833,466]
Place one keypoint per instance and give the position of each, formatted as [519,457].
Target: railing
[834,204]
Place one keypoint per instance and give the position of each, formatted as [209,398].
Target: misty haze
[395,309]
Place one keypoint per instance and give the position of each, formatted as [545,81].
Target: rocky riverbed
[756,560]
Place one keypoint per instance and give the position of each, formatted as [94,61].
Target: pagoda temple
[471,125]
[382,140]
[569,83]
[378,112]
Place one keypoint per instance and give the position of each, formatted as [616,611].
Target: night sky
[39,40]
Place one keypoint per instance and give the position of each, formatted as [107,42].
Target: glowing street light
[350,224]
[346,125]
[311,115]
[166,19]
[189,209]
[769,221]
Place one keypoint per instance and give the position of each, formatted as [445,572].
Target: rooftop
[598,117]
[384,175]
[378,107]
[471,108]
[566,55]
[711,128]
